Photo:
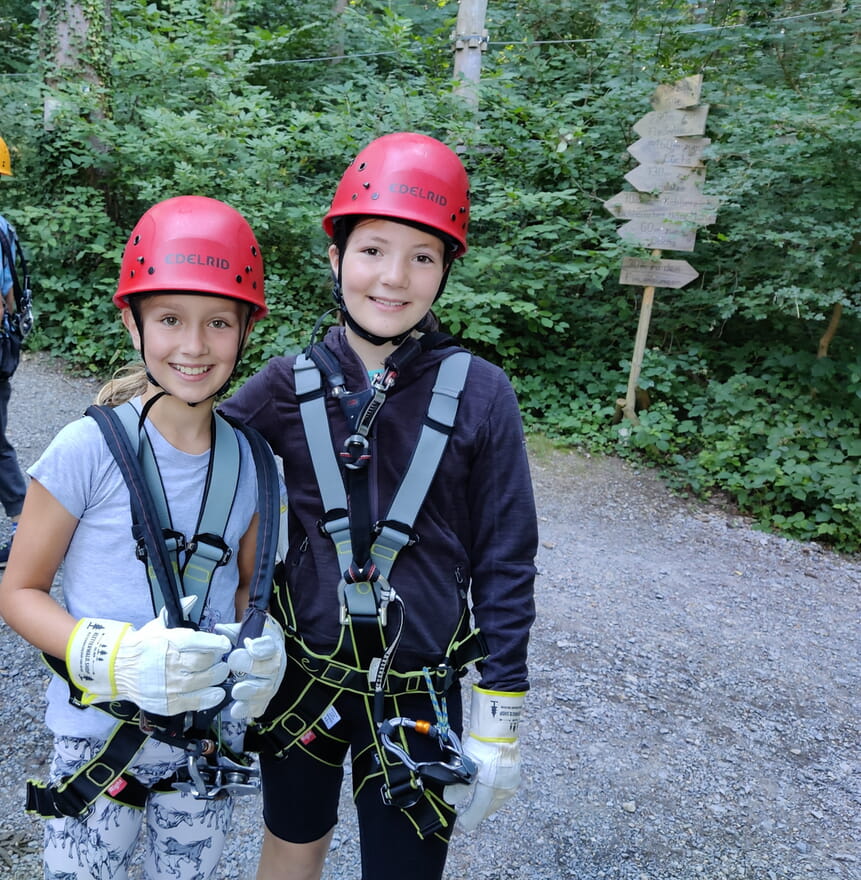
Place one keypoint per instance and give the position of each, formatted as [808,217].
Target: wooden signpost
[667,207]
[657,273]
[662,123]
[666,178]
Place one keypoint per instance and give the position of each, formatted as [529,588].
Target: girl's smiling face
[190,341]
[390,275]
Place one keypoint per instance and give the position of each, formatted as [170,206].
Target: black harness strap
[105,774]
[144,512]
[269,517]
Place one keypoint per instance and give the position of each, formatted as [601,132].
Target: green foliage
[778,434]
[16,37]
[262,104]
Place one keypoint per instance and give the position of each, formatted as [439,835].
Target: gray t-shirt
[101,575]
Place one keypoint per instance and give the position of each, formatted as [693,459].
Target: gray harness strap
[309,390]
[427,455]
[442,410]
[206,549]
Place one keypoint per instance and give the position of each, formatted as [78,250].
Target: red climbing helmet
[406,176]
[194,244]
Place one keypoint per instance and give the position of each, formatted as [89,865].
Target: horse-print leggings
[184,837]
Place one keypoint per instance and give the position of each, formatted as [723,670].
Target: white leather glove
[259,666]
[494,745]
[165,671]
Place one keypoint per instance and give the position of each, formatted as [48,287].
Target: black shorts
[301,793]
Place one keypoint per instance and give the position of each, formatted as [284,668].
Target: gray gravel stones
[695,693]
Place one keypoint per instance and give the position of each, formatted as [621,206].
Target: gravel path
[695,705]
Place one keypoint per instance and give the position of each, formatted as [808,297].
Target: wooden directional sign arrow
[673,123]
[669,150]
[655,233]
[684,93]
[694,207]
[657,273]
[665,178]
[689,206]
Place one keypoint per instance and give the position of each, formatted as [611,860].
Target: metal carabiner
[212,780]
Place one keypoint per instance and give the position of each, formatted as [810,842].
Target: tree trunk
[338,46]
[76,51]
[470,40]
[830,330]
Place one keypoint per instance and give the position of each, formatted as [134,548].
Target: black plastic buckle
[413,537]
[175,541]
[208,540]
[403,794]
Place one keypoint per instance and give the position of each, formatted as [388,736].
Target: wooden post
[629,404]
[470,40]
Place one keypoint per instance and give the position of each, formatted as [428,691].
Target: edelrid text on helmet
[409,177]
[197,245]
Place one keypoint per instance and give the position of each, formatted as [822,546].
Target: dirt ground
[695,704]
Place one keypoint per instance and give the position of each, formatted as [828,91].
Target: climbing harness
[212,770]
[206,550]
[367,551]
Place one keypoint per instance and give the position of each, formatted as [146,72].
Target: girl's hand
[165,671]
[258,666]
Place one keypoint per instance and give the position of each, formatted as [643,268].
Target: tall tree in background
[76,57]
[470,41]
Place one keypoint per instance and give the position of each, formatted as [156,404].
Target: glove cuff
[495,715]
[91,655]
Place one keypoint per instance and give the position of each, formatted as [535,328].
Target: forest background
[751,381]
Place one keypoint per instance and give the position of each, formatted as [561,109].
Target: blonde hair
[127,383]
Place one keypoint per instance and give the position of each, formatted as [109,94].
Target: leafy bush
[245,102]
[780,438]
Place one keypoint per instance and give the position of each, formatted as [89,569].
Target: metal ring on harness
[355,455]
[458,769]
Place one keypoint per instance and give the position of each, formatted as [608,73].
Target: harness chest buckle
[354,454]
[211,547]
